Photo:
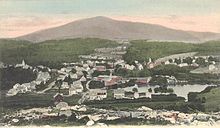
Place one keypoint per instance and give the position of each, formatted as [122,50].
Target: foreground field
[125,126]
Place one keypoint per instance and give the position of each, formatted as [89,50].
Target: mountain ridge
[107,28]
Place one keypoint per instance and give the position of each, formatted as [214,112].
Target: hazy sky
[18,17]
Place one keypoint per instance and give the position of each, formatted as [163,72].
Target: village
[95,74]
[100,77]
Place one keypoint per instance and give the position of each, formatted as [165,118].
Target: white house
[72,91]
[119,93]
[150,65]
[136,95]
[67,69]
[119,62]
[26,87]
[129,67]
[167,62]
[212,67]
[12,92]
[90,63]
[82,79]
[78,68]
[213,62]
[183,65]
[2,65]
[97,94]
[33,85]
[17,88]
[62,105]
[64,85]
[43,76]
[195,65]
[140,67]
[76,88]
[194,60]
[73,76]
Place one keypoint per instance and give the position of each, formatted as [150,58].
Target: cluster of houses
[172,59]
[123,94]
[97,94]
[89,66]
[82,73]
[42,78]
[111,50]
[108,80]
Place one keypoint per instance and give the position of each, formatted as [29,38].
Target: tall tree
[58,83]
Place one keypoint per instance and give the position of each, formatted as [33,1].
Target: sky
[19,17]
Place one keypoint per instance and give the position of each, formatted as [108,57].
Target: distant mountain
[106,28]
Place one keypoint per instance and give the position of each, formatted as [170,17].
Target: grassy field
[212,102]
[49,52]
[135,104]
[27,100]
[30,100]
[72,100]
[141,49]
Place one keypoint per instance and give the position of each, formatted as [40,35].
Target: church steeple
[23,63]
